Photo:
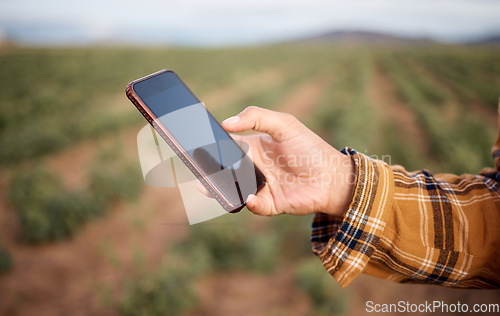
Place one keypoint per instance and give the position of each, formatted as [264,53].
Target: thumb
[281,126]
[260,205]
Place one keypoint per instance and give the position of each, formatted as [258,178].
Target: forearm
[442,229]
[413,227]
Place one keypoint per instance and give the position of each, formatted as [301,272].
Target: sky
[236,22]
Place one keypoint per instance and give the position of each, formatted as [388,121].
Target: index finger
[277,124]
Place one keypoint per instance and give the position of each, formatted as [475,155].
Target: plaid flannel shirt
[415,227]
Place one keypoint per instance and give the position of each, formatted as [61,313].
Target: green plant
[45,209]
[109,182]
[5,260]
[235,247]
[168,291]
[451,139]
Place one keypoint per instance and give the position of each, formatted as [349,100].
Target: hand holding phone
[304,173]
[224,169]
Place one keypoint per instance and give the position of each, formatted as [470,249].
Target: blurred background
[80,233]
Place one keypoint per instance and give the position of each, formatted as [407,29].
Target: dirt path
[242,293]
[304,97]
[241,89]
[382,93]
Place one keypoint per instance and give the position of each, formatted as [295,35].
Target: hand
[304,174]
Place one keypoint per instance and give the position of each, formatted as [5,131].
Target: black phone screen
[200,135]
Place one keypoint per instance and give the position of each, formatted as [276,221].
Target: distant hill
[490,40]
[376,38]
[363,37]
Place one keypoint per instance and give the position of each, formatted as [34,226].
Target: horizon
[327,36]
[225,23]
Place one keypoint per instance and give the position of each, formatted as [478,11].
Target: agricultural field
[80,233]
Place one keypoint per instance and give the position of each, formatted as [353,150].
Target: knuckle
[250,109]
[289,118]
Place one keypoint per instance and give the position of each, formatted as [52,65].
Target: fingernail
[250,197]
[232,120]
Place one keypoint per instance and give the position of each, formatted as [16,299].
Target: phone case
[134,98]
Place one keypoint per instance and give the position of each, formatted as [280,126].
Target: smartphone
[201,143]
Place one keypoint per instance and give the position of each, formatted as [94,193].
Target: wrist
[341,186]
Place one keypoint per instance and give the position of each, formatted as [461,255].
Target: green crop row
[47,210]
[472,73]
[343,117]
[429,91]
[458,145]
[54,98]
[293,66]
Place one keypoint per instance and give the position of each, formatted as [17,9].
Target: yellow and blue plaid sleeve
[414,227]
[345,245]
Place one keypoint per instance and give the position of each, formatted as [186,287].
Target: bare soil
[241,293]
[304,98]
